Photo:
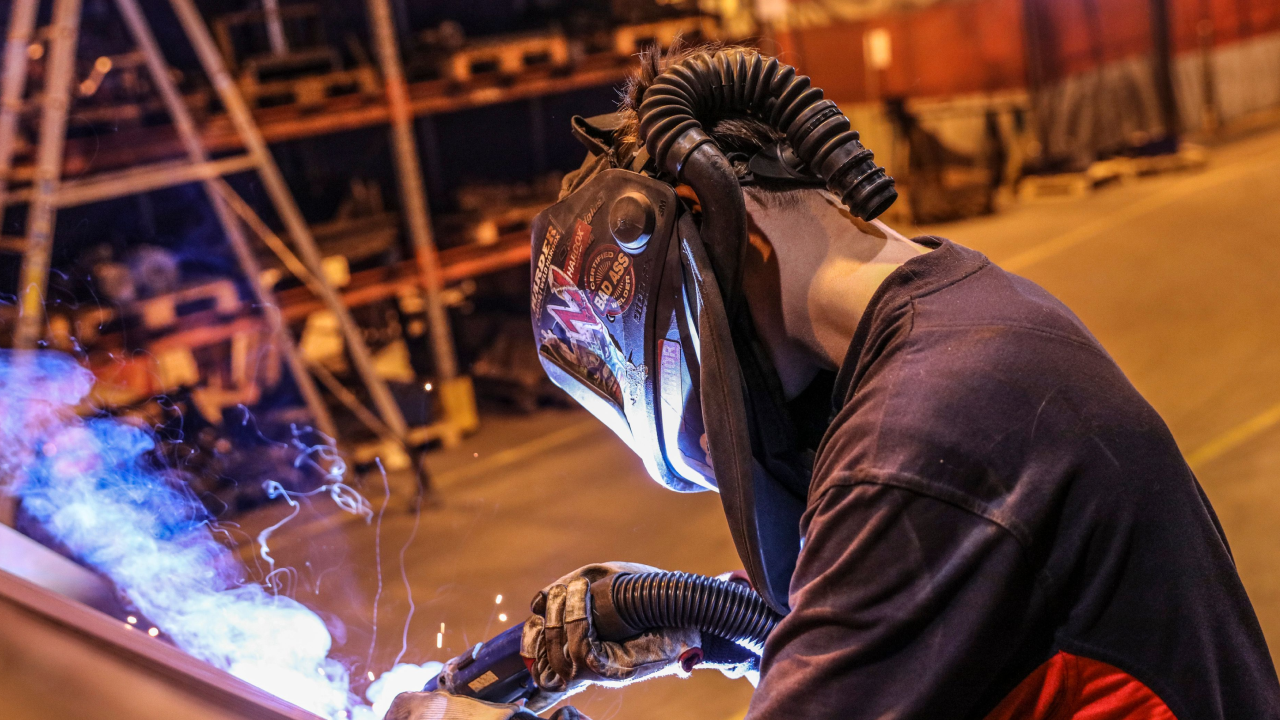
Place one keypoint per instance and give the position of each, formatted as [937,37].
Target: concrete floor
[1176,275]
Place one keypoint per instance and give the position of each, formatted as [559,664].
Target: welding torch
[730,616]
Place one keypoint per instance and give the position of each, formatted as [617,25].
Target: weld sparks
[95,485]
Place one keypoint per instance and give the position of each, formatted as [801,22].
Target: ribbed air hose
[705,87]
[675,599]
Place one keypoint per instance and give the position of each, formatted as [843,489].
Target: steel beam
[267,236]
[275,27]
[66,660]
[106,186]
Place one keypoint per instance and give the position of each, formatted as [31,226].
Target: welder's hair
[734,134]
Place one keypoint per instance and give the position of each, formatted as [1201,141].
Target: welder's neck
[809,275]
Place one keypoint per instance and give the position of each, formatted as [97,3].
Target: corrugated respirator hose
[706,87]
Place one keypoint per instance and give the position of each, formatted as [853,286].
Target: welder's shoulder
[990,380]
[995,302]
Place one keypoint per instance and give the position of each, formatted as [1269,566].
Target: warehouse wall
[1085,66]
[1234,45]
[946,49]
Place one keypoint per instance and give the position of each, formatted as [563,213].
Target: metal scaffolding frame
[32,283]
[286,207]
[48,193]
[22,22]
[186,127]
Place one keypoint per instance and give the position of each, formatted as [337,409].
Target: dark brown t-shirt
[993,491]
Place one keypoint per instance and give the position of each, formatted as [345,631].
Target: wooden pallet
[509,56]
[1189,157]
[160,313]
[309,90]
[1036,188]
[631,39]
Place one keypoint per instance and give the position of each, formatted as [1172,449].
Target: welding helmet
[636,304]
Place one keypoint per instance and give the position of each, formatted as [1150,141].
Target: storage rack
[140,159]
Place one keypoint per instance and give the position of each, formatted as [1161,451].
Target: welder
[929,466]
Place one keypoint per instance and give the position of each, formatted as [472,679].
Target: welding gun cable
[642,601]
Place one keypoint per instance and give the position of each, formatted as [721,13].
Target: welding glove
[565,654]
[443,706]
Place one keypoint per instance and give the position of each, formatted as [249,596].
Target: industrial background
[291,239]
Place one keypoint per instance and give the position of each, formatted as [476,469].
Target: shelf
[456,264]
[138,145]
[368,286]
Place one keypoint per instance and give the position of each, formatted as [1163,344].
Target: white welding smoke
[94,485]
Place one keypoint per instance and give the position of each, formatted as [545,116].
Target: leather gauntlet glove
[565,653]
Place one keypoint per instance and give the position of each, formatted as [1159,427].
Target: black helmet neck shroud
[637,306]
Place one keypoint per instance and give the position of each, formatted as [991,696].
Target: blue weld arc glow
[96,487]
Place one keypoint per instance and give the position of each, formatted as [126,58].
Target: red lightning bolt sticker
[577,319]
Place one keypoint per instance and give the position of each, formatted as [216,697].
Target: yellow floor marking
[1233,438]
[516,453]
[1167,196]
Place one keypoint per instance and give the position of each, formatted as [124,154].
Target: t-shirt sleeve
[903,606]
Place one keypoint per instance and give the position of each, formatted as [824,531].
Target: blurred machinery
[239,341]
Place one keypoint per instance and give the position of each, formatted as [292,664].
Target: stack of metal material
[66,651]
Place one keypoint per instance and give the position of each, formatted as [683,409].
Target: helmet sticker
[575,316]
[578,340]
[590,368]
[577,246]
[610,281]
[549,243]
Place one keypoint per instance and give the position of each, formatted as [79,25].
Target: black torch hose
[727,610]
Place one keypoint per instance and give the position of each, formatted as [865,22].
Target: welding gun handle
[492,671]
